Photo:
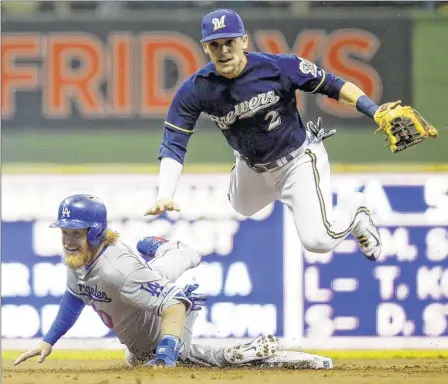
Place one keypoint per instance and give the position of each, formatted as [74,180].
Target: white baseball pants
[304,186]
[174,258]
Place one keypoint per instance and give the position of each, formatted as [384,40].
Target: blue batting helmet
[83,211]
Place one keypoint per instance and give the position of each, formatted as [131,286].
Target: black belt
[261,168]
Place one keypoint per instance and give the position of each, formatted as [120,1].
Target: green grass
[105,147]
[204,147]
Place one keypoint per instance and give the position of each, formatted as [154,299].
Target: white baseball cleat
[369,238]
[258,349]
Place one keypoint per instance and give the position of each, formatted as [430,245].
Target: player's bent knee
[242,209]
[317,244]
[195,257]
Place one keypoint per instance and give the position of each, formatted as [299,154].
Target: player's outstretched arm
[69,310]
[179,126]
[306,76]
[169,174]
[43,350]
[353,97]
[163,205]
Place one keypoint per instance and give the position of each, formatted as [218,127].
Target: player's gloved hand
[167,352]
[161,206]
[44,349]
[404,127]
[319,131]
[383,111]
[197,299]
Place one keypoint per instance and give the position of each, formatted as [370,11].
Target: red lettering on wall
[272,41]
[81,84]
[155,49]
[138,86]
[120,79]
[18,76]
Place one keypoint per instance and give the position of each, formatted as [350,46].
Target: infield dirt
[346,371]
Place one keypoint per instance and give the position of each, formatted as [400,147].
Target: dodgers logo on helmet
[65,212]
[83,211]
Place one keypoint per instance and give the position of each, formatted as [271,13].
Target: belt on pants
[261,168]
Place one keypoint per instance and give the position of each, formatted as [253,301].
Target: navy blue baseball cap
[221,24]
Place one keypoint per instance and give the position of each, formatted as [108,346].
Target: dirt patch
[396,371]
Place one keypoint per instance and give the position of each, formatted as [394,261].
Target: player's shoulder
[279,64]
[271,58]
[198,78]
[205,71]
[120,260]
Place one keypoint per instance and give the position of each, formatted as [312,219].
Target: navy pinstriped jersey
[256,112]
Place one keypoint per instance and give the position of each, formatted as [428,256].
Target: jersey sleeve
[69,310]
[148,290]
[180,122]
[308,77]
[184,109]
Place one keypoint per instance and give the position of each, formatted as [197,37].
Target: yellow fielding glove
[403,126]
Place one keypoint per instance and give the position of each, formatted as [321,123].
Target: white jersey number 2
[275,120]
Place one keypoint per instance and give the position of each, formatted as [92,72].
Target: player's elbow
[332,86]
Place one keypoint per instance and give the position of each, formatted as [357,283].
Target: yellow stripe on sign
[133,168]
[340,354]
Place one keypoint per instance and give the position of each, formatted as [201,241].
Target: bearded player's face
[77,251]
[227,55]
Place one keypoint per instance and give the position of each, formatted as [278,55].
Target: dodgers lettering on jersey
[127,294]
[256,111]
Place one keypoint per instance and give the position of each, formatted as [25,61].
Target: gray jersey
[127,293]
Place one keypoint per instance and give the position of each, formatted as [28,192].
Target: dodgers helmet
[83,211]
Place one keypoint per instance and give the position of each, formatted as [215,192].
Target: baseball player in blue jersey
[251,98]
[136,297]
